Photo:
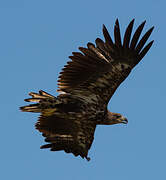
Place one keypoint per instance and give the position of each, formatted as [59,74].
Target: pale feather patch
[101,82]
[122,66]
[61,135]
[61,92]
[33,100]
[100,55]
[30,107]
[43,93]
[49,112]
[35,95]
[81,139]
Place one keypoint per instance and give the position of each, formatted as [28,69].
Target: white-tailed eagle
[86,84]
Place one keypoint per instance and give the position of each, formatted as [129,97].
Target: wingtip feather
[127,36]
[117,35]
[137,35]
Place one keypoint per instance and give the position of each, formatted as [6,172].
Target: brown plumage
[86,85]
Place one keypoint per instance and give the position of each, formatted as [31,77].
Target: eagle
[85,86]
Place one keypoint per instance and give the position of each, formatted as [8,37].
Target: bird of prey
[86,84]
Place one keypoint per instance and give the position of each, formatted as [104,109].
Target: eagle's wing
[72,136]
[62,123]
[98,71]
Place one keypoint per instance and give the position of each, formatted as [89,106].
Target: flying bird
[85,86]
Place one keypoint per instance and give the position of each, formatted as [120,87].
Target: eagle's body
[86,85]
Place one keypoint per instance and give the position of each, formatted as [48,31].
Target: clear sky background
[36,38]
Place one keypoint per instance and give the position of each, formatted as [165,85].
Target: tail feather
[31,108]
[33,100]
[41,94]
[39,98]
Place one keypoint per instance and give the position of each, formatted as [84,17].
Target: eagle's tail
[43,100]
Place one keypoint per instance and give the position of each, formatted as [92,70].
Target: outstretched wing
[72,136]
[98,71]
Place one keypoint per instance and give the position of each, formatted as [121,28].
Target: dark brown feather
[127,35]
[145,50]
[143,40]
[137,35]
[69,135]
[100,70]
[117,35]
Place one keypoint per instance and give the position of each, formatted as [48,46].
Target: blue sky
[36,38]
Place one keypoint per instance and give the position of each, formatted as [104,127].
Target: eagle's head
[115,118]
